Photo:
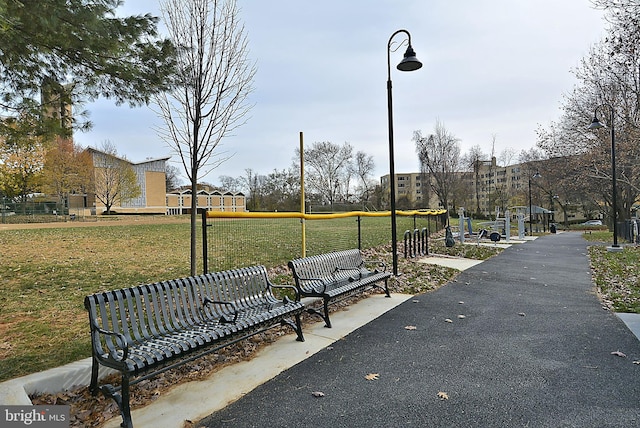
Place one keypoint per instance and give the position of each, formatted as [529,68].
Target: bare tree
[214,79]
[439,156]
[363,168]
[251,182]
[230,184]
[474,160]
[172,177]
[328,169]
[115,180]
[507,156]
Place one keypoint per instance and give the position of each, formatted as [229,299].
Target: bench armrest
[346,269]
[208,301]
[378,263]
[290,287]
[322,280]
[119,339]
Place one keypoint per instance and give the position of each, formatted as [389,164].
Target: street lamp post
[596,124]
[536,175]
[408,63]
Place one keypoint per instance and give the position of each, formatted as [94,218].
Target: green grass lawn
[47,272]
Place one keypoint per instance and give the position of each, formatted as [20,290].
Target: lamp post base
[615,249]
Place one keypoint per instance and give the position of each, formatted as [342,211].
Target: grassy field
[47,270]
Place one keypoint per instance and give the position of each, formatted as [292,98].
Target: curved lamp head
[595,123]
[409,62]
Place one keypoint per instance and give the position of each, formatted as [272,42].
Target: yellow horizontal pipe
[230,214]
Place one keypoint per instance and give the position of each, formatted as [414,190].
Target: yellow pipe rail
[231,214]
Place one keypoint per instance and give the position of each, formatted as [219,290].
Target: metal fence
[630,231]
[242,239]
[37,211]
[29,211]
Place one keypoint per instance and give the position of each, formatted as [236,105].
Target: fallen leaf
[372,376]
[317,394]
[447,320]
[443,395]
[410,327]
[618,354]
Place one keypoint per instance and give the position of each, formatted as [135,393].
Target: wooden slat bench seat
[145,330]
[335,276]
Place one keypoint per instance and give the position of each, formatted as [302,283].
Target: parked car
[592,223]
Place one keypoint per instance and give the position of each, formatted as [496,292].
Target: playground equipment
[494,230]
[462,220]
[521,226]
[501,225]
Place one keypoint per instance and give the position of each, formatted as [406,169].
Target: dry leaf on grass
[372,376]
[443,395]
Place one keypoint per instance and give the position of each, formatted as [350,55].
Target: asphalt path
[520,340]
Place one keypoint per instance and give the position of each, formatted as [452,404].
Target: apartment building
[486,188]
[414,188]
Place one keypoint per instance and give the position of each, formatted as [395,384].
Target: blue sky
[491,68]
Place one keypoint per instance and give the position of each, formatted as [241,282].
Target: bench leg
[325,316]
[327,321]
[126,407]
[121,399]
[93,387]
[297,327]
[386,289]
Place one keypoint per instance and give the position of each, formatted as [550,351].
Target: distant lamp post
[408,63]
[536,175]
[596,124]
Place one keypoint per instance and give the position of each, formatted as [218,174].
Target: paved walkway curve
[534,349]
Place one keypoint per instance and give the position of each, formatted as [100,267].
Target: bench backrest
[338,266]
[163,307]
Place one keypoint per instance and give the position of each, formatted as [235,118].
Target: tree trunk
[194,213]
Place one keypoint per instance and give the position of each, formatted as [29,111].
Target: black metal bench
[145,330]
[336,276]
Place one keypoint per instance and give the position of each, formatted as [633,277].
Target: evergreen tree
[82,45]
